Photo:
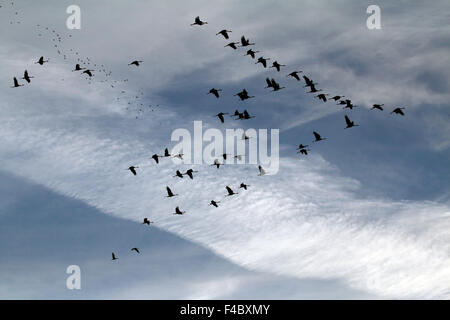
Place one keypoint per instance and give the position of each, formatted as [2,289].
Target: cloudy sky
[365,215]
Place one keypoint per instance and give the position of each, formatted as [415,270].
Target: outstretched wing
[316,135]
[347,121]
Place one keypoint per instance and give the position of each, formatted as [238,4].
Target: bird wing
[269,83]
[316,135]
[169,192]
[16,83]
[229,190]
[347,121]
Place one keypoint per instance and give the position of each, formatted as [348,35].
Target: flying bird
[78,67]
[336,98]
[215,92]
[246,116]
[137,63]
[135,249]
[133,169]
[178,174]
[170,193]
[26,76]
[308,82]
[16,83]
[114,257]
[262,61]
[350,123]
[230,191]
[318,137]
[156,158]
[178,211]
[243,95]
[166,153]
[398,111]
[146,221]
[322,96]
[88,72]
[245,42]
[214,203]
[41,61]
[313,89]
[277,66]
[224,33]
[251,53]
[377,106]
[301,146]
[189,173]
[179,156]
[244,186]
[303,151]
[276,85]
[294,74]
[199,22]
[220,116]
[232,45]
[349,105]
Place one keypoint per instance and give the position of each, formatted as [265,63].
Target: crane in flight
[224,33]
[318,137]
[146,221]
[198,22]
[294,74]
[189,173]
[16,83]
[41,61]
[133,169]
[135,249]
[178,174]
[215,92]
[277,66]
[170,193]
[261,171]
[214,203]
[262,61]
[232,45]
[244,186]
[137,63]
[251,53]
[377,106]
[398,111]
[178,211]
[26,77]
[230,191]
[245,42]
[114,256]
[349,123]
[220,116]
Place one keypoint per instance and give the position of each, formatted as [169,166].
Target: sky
[365,215]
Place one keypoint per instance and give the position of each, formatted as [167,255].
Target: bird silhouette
[244,186]
[179,156]
[262,61]
[41,61]
[245,137]
[137,63]
[114,256]
[16,83]
[214,203]
[294,74]
[313,89]
[322,96]
[303,151]
[166,153]
[246,116]
[135,249]
[230,191]
[261,171]
[78,67]
[308,82]
[336,98]
[349,105]
[301,146]
[269,83]
[170,193]
[251,53]
[349,123]
[224,33]
[133,169]
[277,66]
[189,173]
[26,76]
[215,92]
[88,72]
[377,106]
[178,211]
[276,85]
[178,174]
[245,42]
[318,137]
[199,22]
[232,45]
[220,116]
[398,111]
[243,95]
[146,221]
[156,158]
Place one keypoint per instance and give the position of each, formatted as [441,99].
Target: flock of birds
[82,67]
